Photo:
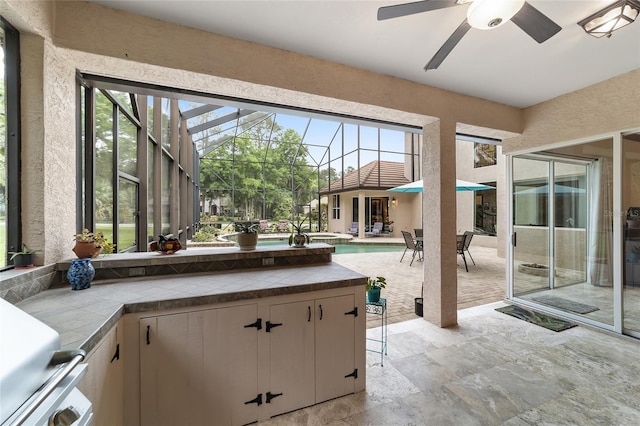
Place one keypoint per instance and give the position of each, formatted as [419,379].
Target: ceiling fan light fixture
[611,18]
[489,14]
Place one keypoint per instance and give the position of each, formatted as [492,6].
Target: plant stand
[380,345]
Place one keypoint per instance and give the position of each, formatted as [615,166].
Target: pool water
[345,248]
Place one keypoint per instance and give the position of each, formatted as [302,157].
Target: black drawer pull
[148,335]
[320,311]
[309,316]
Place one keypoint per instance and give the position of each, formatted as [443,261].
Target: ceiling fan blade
[397,10]
[535,23]
[448,46]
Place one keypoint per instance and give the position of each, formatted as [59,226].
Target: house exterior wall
[465,170]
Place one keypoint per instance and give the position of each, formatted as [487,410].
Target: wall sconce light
[613,17]
[393,201]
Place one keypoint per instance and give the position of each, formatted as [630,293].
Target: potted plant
[374,286]
[89,244]
[247,235]
[297,237]
[22,259]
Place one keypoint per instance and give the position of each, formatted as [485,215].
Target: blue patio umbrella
[461,185]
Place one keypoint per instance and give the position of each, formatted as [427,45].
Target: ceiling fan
[482,14]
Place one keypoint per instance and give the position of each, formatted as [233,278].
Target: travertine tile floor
[484,283]
[492,369]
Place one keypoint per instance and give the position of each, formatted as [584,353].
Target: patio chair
[419,234]
[460,239]
[353,229]
[264,225]
[376,231]
[283,225]
[411,245]
[468,235]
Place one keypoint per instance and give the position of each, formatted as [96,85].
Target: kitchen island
[277,334]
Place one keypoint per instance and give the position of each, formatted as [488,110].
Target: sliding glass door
[631,229]
[562,231]
[530,226]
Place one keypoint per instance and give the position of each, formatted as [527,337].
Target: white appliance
[37,380]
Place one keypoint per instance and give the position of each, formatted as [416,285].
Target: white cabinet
[240,363]
[199,367]
[103,383]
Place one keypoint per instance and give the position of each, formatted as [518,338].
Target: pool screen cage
[159,161]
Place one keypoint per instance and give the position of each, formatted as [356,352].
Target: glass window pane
[485,155]
[127,145]
[127,214]
[166,123]
[104,165]
[151,171]
[166,194]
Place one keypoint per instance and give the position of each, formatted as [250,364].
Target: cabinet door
[334,347]
[102,384]
[170,354]
[199,367]
[230,379]
[291,356]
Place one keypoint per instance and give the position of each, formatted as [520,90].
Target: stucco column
[439,216]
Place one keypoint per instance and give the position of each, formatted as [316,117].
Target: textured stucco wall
[96,29]
[609,106]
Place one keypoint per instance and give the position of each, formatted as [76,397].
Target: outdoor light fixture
[393,201]
[615,16]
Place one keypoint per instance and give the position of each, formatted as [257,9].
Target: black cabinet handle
[148,335]
[117,354]
[320,311]
[309,316]
[270,396]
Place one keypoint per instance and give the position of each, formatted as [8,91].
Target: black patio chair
[468,235]
[460,239]
[411,245]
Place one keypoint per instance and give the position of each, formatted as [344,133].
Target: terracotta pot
[86,249]
[247,241]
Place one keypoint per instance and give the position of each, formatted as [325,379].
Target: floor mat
[565,304]
[543,320]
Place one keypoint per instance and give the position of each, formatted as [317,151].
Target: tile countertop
[83,317]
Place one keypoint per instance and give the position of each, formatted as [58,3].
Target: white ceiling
[503,65]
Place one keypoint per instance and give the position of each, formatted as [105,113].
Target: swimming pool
[344,248]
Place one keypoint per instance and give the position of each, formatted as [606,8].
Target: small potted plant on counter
[89,244]
[374,286]
[247,235]
[297,237]
[24,258]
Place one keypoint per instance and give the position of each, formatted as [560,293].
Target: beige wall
[609,106]
[465,199]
